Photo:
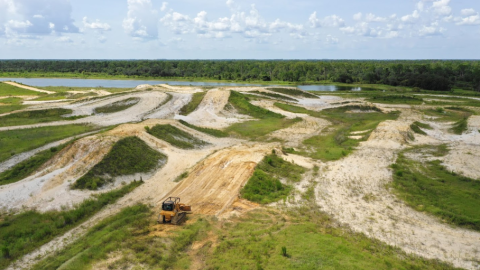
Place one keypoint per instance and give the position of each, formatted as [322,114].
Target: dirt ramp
[214,184]
[389,134]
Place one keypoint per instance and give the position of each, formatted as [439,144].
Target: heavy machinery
[173,211]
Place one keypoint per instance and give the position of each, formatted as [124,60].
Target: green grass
[273,95]
[27,167]
[214,132]
[192,105]
[293,92]
[445,115]
[23,233]
[126,237]
[416,127]
[431,188]
[35,117]
[17,141]
[175,136]
[242,104]
[265,186]
[396,99]
[460,126]
[11,101]
[10,90]
[11,108]
[128,156]
[118,106]
[11,104]
[337,144]
[302,238]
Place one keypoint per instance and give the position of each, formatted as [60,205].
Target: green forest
[440,75]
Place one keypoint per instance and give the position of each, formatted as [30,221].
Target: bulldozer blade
[179,218]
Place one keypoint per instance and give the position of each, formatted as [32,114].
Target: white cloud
[328,21]
[470,20]
[431,30]
[358,16]
[164,6]
[372,18]
[441,7]
[97,25]
[142,20]
[65,39]
[411,18]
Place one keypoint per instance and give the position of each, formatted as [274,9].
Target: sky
[239,29]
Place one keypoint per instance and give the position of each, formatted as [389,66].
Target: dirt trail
[354,190]
[171,108]
[29,88]
[214,184]
[209,111]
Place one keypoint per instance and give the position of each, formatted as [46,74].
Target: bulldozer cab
[169,204]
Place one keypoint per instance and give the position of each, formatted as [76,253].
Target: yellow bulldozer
[173,211]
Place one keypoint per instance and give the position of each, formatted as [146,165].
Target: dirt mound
[390,134]
[214,184]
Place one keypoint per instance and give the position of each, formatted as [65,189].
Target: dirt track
[29,87]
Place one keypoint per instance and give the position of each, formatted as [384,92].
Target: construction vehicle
[173,211]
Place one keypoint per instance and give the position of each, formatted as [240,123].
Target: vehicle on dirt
[173,211]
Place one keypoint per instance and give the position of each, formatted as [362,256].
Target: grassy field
[25,232]
[11,108]
[430,187]
[396,99]
[118,106]
[35,117]
[293,92]
[10,90]
[265,187]
[214,132]
[128,156]
[27,167]
[11,101]
[192,105]
[175,136]
[337,144]
[17,141]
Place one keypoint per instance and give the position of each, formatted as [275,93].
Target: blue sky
[239,29]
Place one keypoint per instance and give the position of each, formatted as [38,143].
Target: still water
[42,82]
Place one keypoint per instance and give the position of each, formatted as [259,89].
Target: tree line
[426,74]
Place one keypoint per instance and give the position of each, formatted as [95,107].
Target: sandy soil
[171,108]
[29,88]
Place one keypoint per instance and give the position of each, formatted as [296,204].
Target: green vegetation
[337,144]
[415,126]
[264,186]
[311,240]
[25,232]
[118,106]
[428,186]
[175,136]
[269,121]
[214,132]
[192,105]
[11,104]
[128,156]
[129,233]
[17,141]
[460,126]
[27,167]
[293,92]
[445,115]
[273,95]
[11,101]
[10,90]
[35,117]
[396,99]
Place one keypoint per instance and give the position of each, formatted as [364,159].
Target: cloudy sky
[239,29]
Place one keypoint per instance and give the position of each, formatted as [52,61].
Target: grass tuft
[35,117]
[192,105]
[118,106]
[214,132]
[175,136]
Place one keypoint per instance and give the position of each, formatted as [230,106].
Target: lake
[96,83]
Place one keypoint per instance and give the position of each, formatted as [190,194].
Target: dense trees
[432,75]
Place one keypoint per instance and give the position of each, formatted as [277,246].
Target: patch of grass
[243,106]
[10,90]
[22,233]
[192,105]
[265,186]
[11,101]
[422,125]
[293,92]
[273,95]
[445,115]
[17,141]
[35,117]
[460,126]
[175,136]
[310,239]
[259,128]
[128,156]
[118,106]
[11,108]
[396,99]
[431,188]
[337,144]
[416,127]
[126,236]
[214,132]
[27,167]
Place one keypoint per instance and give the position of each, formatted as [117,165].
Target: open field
[276,177]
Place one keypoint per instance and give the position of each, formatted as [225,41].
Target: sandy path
[26,155]
[171,108]
[29,88]
[354,191]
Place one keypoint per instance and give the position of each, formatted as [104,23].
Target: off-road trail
[29,88]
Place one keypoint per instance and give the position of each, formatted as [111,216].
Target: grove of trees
[439,75]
